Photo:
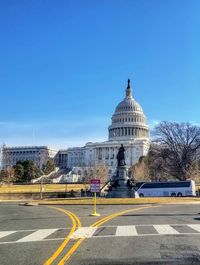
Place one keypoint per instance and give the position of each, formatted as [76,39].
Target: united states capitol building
[128,127]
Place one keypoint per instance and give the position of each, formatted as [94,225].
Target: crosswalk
[137,230]
[38,235]
[35,235]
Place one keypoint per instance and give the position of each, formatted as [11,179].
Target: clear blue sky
[64,66]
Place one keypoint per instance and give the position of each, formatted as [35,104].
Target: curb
[29,204]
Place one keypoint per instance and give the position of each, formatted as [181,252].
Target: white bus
[167,189]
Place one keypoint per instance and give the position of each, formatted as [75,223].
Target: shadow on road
[132,262]
[161,214]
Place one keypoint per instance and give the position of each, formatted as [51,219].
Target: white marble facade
[38,154]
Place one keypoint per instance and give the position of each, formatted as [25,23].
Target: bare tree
[140,171]
[101,172]
[8,172]
[149,168]
[178,146]
[194,171]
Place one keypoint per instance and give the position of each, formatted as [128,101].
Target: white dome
[128,121]
[128,104]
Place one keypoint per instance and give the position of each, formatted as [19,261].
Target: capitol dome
[129,121]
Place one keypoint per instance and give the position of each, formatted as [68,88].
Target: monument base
[119,192]
[120,188]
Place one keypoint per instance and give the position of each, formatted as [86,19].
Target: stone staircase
[51,176]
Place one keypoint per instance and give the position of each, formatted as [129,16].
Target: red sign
[95,185]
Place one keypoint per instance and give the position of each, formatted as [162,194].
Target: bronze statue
[121,156]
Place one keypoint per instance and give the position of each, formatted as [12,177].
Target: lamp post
[131,153]
[66,187]
[41,185]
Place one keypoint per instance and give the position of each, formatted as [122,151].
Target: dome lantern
[128,121]
[128,90]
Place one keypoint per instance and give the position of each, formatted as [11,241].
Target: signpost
[95,187]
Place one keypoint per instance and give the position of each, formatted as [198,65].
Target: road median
[118,201]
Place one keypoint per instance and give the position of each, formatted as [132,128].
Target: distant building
[38,154]
[61,159]
[129,127]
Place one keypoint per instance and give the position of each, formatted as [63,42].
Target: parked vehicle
[167,189]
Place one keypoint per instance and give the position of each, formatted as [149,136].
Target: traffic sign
[95,185]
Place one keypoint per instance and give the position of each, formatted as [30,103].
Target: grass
[12,189]
[34,188]
[46,188]
[119,201]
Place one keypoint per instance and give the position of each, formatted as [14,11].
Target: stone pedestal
[121,190]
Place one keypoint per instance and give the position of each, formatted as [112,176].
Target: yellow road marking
[74,219]
[77,219]
[97,224]
[71,251]
[107,218]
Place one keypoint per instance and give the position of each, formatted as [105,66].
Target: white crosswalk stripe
[84,232]
[6,233]
[196,227]
[165,230]
[37,235]
[128,230]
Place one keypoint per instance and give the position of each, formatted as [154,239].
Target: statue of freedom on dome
[121,156]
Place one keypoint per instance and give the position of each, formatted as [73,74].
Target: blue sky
[64,66]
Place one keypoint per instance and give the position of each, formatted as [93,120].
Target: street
[123,234]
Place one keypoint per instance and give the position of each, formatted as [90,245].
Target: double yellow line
[76,223]
[109,217]
[96,224]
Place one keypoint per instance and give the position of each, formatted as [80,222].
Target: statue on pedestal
[121,156]
[120,184]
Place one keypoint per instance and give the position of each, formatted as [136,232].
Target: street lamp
[41,185]
[131,153]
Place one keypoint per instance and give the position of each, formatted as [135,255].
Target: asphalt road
[164,234]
